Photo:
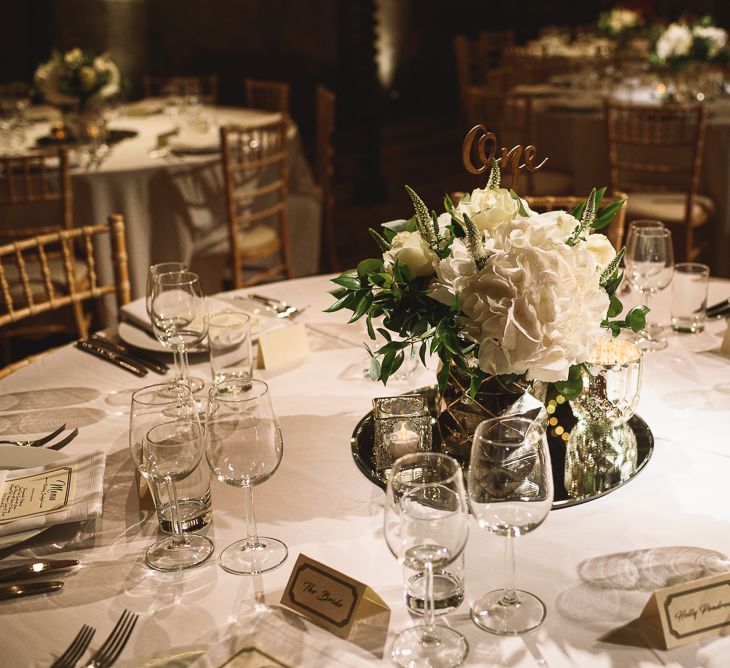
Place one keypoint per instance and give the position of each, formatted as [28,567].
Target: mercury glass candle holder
[402,426]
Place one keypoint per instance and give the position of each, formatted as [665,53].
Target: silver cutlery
[76,649]
[281,308]
[36,569]
[13,591]
[39,442]
[112,647]
[122,361]
[135,356]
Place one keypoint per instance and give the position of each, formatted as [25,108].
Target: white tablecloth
[175,205]
[321,505]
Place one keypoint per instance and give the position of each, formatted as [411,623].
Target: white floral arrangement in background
[77,79]
[620,23]
[491,287]
[681,43]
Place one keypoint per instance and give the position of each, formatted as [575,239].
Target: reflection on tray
[578,475]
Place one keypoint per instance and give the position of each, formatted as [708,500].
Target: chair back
[267,95]
[255,165]
[614,231]
[204,87]
[35,194]
[325,108]
[493,44]
[29,287]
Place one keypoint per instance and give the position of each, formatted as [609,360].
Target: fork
[112,647]
[77,647]
[46,439]
[281,308]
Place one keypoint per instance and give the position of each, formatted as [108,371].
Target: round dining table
[163,172]
[595,564]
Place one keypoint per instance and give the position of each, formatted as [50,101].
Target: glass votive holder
[402,426]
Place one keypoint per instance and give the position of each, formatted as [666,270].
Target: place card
[283,348]
[680,614]
[337,603]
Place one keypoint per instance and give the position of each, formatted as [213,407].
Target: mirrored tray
[362,440]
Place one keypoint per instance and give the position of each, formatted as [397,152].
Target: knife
[134,355]
[12,591]
[121,361]
[718,309]
[37,569]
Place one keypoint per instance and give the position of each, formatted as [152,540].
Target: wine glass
[178,318]
[426,527]
[510,489]
[244,448]
[166,442]
[649,267]
[155,270]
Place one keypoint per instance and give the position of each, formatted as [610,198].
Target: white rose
[87,77]
[537,305]
[675,41]
[411,248]
[47,78]
[716,38]
[488,208]
[73,58]
[602,249]
[564,221]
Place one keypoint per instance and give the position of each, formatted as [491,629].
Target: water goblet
[178,318]
[426,528]
[244,448]
[510,490]
[649,266]
[168,452]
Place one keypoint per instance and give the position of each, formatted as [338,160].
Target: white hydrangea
[716,38]
[537,305]
[674,42]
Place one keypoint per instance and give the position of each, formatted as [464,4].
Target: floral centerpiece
[620,23]
[80,84]
[682,43]
[493,289]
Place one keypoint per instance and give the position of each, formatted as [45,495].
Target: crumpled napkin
[70,490]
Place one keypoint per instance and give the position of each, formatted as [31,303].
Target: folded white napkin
[69,490]
[136,312]
[190,141]
[274,637]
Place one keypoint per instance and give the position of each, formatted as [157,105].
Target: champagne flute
[166,442]
[244,448]
[426,527]
[510,489]
[178,318]
[650,266]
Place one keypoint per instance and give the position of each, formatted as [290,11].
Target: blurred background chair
[655,155]
[267,95]
[205,87]
[324,153]
[493,45]
[30,289]
[614,231]
[255,170]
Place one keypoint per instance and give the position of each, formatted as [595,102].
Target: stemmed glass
[649,267]
[510,490]
[166,442]
[426,527]
[177,311]
[244,448]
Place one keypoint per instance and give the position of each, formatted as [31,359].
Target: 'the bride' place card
[337,603]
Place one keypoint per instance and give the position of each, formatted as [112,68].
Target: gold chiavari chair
[255,162]
[325,109]
[614,231]
[29,288]
[204,87]
[493,44]
[267,95]
[655,155]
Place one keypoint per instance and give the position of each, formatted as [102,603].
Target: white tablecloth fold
[70,490]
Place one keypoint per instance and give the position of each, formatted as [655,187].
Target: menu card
[65,491]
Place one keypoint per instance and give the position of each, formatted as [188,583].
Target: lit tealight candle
[403,441]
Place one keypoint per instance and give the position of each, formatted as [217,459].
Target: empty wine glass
[166,443]
[649,267]
[244,448]
[156,270]
[426,527]
[510,489]
[177,310]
